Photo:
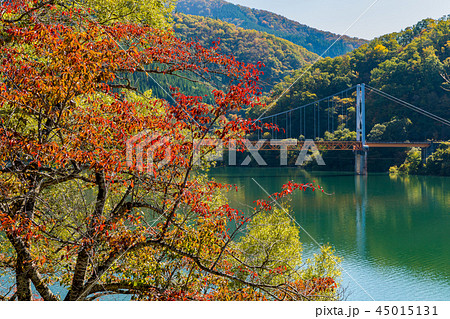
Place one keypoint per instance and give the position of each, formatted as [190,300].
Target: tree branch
[27,13]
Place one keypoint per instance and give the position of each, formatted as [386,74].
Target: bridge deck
[398,144]
[347,145]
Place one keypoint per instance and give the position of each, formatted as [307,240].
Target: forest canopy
[280,57]
[317,41]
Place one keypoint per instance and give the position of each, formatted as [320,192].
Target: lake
[392,232]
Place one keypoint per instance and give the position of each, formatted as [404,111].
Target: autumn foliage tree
[77,213]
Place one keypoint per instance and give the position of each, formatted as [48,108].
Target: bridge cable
[318,119]
[406,104]
[273,131]
[260,131]
[314,120]
[277,128]
[331,116]
[328,120]
[309,104]
[346,111]
[409,105]
[290,124]
[300,123]
[304,122]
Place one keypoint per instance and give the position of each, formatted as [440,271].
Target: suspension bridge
[320,120]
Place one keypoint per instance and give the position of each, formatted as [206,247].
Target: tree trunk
[79,276]
[23,281]
[26,272]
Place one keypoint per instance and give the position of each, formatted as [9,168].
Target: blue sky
[384,16]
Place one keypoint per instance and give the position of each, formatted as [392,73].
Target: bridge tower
[361,155]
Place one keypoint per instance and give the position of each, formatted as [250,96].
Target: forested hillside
[312,39]
[279,56]
[409,65]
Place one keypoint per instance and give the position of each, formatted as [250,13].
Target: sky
[381,17]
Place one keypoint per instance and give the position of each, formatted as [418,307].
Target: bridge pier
[361,206]
[361,162]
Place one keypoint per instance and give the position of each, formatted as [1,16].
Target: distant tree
[413,162]
[438,163]
[376,133]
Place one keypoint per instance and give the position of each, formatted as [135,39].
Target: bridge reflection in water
[361,206]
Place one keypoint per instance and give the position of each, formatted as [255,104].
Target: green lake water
[393,233]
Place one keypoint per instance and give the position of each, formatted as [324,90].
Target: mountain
[280,57]
[408,65]
[253,19]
